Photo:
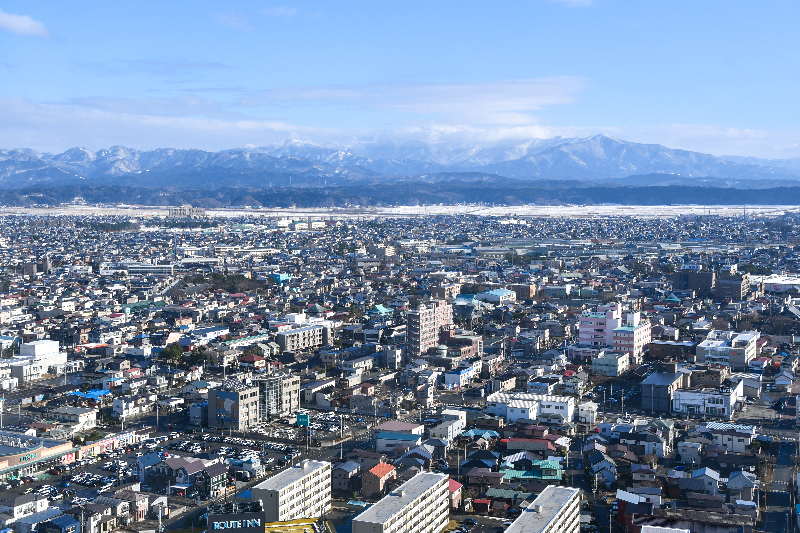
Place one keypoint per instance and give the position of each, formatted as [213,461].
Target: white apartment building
[555,510]
[729,348]
[632,336]
[596,328]
[611,364]
[719,403]
[513,406]
[36,359]
[304,338]
[303,491]
[420,505]
[424,325]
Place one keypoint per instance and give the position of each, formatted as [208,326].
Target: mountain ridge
[294,162]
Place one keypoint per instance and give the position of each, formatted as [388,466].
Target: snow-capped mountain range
[293,162]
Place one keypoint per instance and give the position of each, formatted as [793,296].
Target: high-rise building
[596,328]
[732,284]
[424,325]
[420,505]
[632,336]
[278,395]
[302,491]
[233,406]
[694,278]
[555,510]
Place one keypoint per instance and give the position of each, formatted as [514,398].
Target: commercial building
[658,389]
[233,406]
[513,406]
[302,491]
[278,395]
[186,211]
[729,348]
[555,510]
[36,359]
[731,284]
[692,277]
[424,325]
[718,402]
[420,505]
[22,454]
[612,364]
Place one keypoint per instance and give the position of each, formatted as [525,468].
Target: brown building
[731,284]
[374,480]
[670,349]
[693,278]
[523,291]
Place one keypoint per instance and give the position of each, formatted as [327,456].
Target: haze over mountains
[600,159]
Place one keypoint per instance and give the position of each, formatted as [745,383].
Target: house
[710,479]
[366,459]
[145,464]
[343,476]
[27,504]
[374,480]
[212,479]
[60,524]
[455,493]
[690,452]
[741,486]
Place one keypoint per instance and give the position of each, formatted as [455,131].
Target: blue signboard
[388,414]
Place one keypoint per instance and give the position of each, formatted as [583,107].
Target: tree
[172,353]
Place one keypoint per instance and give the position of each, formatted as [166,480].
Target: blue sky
[718,77]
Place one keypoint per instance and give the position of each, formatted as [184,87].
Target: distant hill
[597,159]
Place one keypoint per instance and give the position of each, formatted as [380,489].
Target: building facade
[420,505]
[424,325]
[233,406]
[302,491]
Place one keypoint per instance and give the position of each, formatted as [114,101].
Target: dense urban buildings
[425,367]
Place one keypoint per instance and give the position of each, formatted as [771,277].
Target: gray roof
[662,379]
[349,466]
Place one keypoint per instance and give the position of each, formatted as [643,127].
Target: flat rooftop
[291,475]
[551,500]
[392,503]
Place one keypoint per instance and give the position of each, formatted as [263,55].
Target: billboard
[237,522]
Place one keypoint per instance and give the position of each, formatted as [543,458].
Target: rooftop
[292,475]
[393,503]
[551,500]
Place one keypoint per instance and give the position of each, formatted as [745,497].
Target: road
[778,512]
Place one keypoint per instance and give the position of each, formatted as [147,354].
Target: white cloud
[22,25]
[460,103]
[194,122]
[280,11]
[233,21]
[574,3]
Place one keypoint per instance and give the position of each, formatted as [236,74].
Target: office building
[278,395]
[302,491]
[612,364]
[555,510]
[729,348]
[424,325]
[694,278]
[731,284]
[420,505]
[233,406]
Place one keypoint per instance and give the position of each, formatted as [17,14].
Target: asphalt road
[777,516]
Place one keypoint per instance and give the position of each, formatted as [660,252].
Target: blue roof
[388,435]
[93,394]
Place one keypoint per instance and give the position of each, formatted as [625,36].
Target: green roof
[507,494]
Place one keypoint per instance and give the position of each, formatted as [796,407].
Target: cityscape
[176,369]
[272,266]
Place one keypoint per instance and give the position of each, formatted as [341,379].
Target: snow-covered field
[575,211]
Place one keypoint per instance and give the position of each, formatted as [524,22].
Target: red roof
[454,485]
[381,469]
